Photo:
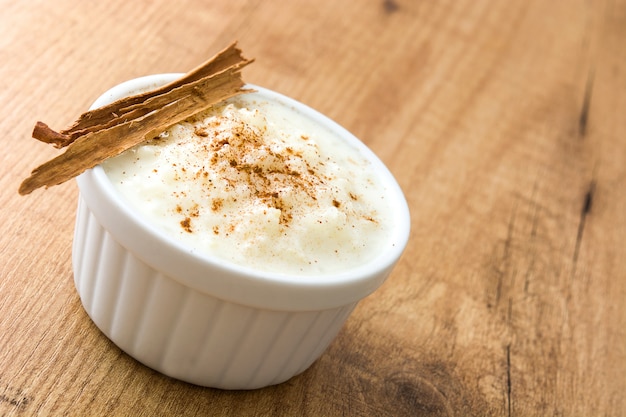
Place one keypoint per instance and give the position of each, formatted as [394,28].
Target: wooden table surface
[503,121]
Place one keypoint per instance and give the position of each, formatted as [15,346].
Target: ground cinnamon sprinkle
[216,204]
[248,158]
[186,224]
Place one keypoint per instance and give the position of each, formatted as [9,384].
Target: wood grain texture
[503,123]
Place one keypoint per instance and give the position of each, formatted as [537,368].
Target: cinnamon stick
[110,130]
[47,135]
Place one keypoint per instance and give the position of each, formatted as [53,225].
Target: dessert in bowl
[229,250]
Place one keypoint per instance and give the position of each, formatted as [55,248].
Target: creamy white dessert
[257,183]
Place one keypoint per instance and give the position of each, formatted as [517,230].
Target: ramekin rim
[282,291]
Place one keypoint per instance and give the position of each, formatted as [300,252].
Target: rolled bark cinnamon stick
[102,133]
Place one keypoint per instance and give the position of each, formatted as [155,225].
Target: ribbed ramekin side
[98,262]
[196,326]
[320,332]
[136,280]
[230,346]
[107,281]
[225,327]
[131,303]
[161,307]
[184,333]
[86,254]
[267,347]
[78,243]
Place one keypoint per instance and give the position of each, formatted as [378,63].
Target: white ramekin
[204,320]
